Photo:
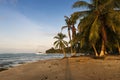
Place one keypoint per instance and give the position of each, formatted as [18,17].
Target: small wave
[10,60]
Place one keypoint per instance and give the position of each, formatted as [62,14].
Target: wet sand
[76,68]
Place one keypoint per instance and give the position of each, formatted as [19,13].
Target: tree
[60,42]
[70,22]
[100,19]
[68,26]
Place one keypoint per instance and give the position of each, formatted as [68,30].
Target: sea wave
[12,59]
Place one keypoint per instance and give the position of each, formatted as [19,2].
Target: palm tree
[70,22]
[68,26]
[60,42]
[101,18]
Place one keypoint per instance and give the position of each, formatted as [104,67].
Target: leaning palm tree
[60,42]
[100,19]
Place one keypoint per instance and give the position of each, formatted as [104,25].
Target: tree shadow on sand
[68,75]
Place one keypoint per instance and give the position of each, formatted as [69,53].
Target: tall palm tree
[70,24]
[100,19]
[60,42]
[73,29]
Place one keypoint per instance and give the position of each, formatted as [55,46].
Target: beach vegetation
[99,24]
[98,28]
[70,25]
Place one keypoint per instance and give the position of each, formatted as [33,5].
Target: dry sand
[79,68]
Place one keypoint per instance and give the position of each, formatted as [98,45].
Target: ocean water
[11,60]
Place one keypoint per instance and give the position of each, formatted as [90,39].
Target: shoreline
[17,59]
[75,68]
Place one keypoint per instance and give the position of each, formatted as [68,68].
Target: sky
[30,25]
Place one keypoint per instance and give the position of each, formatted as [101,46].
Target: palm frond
[60,42]
[64,27]
[56,37]
[65,43]
[79,4]
[66,17]
[77,15]
[57,45]
[113,21]
[86,22]
[94,31]
[55,42]
[117,4]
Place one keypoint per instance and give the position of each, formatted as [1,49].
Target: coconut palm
[100,19]
[68,26]
[71,21]
[60,42]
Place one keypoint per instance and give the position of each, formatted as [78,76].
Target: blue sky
[30,25]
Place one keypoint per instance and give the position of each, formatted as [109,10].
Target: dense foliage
[98,27]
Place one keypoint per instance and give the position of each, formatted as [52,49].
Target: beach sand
[76,68]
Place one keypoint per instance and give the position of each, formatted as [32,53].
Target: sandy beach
[76,68]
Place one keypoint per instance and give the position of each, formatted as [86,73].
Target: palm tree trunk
[102,53]
[73,38]
[104,38]
[69,34]
[70,40]
[119,50]
[96,53]
[118,47]
[64,52]
[74,53]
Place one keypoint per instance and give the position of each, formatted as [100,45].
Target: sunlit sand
[80,68]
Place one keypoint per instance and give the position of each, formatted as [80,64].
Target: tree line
[98,28]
